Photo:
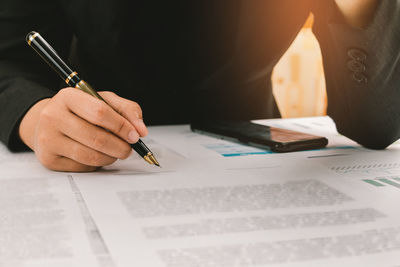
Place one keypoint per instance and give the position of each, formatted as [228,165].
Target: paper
[42,218]
[379,170]
[240,217]
[195,146]
[212,204]
[258,210]
[228,149]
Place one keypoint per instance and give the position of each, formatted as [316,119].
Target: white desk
[213,203]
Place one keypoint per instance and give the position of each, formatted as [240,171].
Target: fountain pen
[48,54]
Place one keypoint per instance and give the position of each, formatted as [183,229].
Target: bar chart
[384,181]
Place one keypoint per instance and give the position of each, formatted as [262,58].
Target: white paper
[253,210]
[241,217]
[42,222]
[204,208]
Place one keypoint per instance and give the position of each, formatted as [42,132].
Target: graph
[384,181]
[369,169]
[227,149]
[377,174]
[233,149]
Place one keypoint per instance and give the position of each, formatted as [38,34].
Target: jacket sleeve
[362,71]
[24,77]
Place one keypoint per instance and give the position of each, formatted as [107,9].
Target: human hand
[74,131]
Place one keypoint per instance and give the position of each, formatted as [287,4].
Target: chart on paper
[372,170]
[384,181]
[228,149]
[378,172]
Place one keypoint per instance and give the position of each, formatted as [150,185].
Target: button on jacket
[186,60]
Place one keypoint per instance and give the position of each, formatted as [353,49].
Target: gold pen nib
[147,158]
[152,158]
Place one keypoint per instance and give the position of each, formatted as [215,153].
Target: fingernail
[133,137]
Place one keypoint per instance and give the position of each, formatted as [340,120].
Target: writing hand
[74,131]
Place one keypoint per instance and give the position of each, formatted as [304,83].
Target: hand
[358,13]
[73,131]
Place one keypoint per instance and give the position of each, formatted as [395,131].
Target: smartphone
[266,137]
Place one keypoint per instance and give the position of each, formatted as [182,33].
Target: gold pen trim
[153,159]
[147,158]
[70,76]
[32,37]
[85,87]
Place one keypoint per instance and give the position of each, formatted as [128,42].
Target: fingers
[99,113]
[128,109]
[69,155]
[77,132]
[94,137]
[84,155]
[56,162]
[63,164]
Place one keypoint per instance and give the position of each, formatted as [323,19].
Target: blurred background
[298,79]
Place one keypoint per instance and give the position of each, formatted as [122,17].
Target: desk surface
[214,203]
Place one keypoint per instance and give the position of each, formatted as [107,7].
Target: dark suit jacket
[183,60]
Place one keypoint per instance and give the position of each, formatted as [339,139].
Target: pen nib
[148,160]
[153,159]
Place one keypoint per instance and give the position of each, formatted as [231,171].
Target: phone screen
[275,139]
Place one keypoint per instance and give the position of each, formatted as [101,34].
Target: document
[42,218]
[240,217]
[378,171]
[201,147]
[212,204]
[255,210]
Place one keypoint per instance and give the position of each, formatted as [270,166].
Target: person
[179,61]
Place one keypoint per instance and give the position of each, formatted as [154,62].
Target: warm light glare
[298,79]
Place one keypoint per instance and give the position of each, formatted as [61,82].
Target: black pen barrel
[140,148]
[48,54]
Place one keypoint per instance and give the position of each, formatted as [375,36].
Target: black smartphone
[272,138]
